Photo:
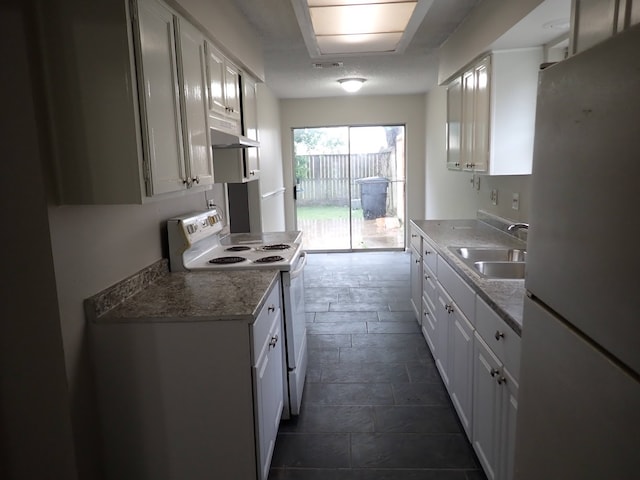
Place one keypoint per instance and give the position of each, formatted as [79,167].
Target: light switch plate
[515,202]
[494,196]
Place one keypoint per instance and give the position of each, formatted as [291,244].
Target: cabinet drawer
[502,340]
[460,292]
[263,327]
[429,325]
[429,255]
[429,286]
[416,239]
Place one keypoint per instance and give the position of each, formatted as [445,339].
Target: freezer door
[581,261]
[578,412]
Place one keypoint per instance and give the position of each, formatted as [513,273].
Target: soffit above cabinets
[333,28]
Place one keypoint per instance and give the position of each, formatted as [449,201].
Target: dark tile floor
[374,407]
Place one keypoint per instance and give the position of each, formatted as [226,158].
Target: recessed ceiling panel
[346,44]
[325,3]
[359,19]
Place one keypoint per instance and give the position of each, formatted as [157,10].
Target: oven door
[295,332]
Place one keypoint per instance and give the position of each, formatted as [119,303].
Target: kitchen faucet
[517,226]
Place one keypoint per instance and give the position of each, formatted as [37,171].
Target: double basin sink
[495,263]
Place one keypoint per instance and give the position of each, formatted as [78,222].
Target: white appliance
[195,245]
[579,399]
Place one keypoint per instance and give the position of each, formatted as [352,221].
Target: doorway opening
[350,187]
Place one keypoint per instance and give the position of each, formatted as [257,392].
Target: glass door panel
[349,187]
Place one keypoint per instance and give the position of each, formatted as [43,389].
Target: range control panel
[197,226]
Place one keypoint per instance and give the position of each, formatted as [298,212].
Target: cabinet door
[268,374]
[249,108]
[482,116]
[232,90]
[592,21]
[429,326]
[462,369]
[215,79]
[416,283]
[454,122]
[197,144]
[509,413]
[486,407]
[443,313]
[468,115]
[164,159]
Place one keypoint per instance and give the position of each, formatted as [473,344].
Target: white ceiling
[289,68]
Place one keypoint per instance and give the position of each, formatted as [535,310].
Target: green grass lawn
[326,213]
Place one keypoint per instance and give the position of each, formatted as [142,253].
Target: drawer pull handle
[273,341]
[493,372]
[499,335]
[271,308]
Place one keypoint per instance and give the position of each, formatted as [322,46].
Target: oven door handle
[302,263]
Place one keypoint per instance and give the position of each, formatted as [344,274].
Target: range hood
[220,139]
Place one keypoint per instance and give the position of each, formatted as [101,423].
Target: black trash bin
[373,196]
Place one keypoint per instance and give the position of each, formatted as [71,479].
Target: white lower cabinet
[478,357]
[495,405]
[462,369]
[181,399]
[416,282]
[268,390]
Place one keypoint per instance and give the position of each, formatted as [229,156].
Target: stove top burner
[240,248]
[270,259]
[227,260]
[276,246]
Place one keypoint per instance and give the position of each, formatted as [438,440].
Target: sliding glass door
[350,187]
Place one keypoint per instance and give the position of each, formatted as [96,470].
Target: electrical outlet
[476,182]
[494,197]
[515,202]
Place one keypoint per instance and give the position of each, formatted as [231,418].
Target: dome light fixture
[351,85]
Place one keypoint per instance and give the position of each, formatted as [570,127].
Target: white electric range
[195,245]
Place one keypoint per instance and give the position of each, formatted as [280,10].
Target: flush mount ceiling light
[356,27]
[351,85]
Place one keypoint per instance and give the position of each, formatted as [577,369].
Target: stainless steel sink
[490,254]
[500,269]
[494,262]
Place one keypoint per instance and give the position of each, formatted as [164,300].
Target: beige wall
[35,425]
[482,27]
[449,194]
[360,110]
[228,28]
[271,172]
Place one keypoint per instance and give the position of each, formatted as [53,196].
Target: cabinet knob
[494,372]
[499,335]
[187,182]
[426,314]
[273,341]
[427,252]
[271,308]
[418,260]
[448,308]
[501,380]
[252,172]
[427,277]
[195,179]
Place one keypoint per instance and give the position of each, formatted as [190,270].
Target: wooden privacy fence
[325,179]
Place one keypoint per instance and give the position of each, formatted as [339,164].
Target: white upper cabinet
[593,21]
[223,81]
[197,143]
[160,95]
[127,101]
[493,101]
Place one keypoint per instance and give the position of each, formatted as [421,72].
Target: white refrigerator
[579,398]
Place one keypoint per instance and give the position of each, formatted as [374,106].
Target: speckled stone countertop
[193,297]
[506,297]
